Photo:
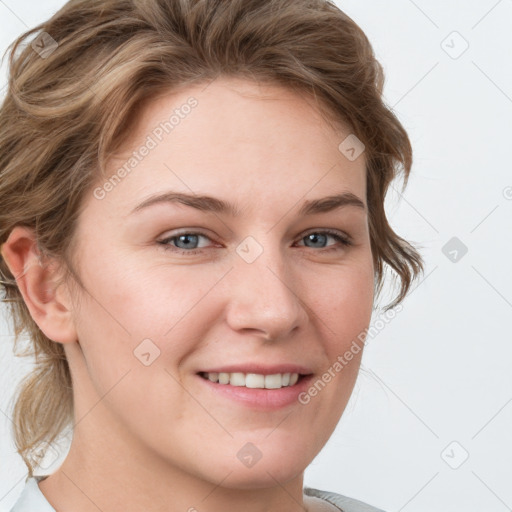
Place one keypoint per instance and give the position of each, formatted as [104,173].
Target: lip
[258,398]
[260,369]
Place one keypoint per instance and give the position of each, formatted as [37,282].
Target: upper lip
[260,368]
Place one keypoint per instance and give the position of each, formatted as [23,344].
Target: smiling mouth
[253,380]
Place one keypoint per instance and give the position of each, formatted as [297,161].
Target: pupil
[183,238]
[314,237]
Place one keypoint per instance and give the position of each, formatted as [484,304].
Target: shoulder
[31,498]
[344,503]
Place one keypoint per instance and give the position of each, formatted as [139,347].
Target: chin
[247,479]
[277,466]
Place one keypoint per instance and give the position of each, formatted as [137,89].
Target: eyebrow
[213,204]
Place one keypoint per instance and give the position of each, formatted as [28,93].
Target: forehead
[253,140]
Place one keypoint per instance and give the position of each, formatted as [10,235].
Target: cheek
[343,302]
[342,311]
[133,309]
[142,299]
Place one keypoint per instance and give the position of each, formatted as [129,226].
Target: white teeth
[273,381]
[237,379]
[254,380]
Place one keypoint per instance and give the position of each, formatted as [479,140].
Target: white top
[33,500]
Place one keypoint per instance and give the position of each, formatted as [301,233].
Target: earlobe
[37,282]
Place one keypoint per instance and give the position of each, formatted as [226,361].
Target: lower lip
[258,398]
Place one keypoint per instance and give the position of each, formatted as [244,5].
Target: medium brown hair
[65,111]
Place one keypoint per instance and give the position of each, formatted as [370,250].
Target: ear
[48,304]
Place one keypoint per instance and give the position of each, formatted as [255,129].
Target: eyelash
[344,240]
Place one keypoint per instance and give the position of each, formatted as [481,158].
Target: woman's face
[248,280]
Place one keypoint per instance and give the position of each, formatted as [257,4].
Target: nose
[264,297]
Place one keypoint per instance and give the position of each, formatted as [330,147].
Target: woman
[193,233]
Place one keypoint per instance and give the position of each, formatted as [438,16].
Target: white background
[440,371]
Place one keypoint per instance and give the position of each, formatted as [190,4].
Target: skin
[153,437]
